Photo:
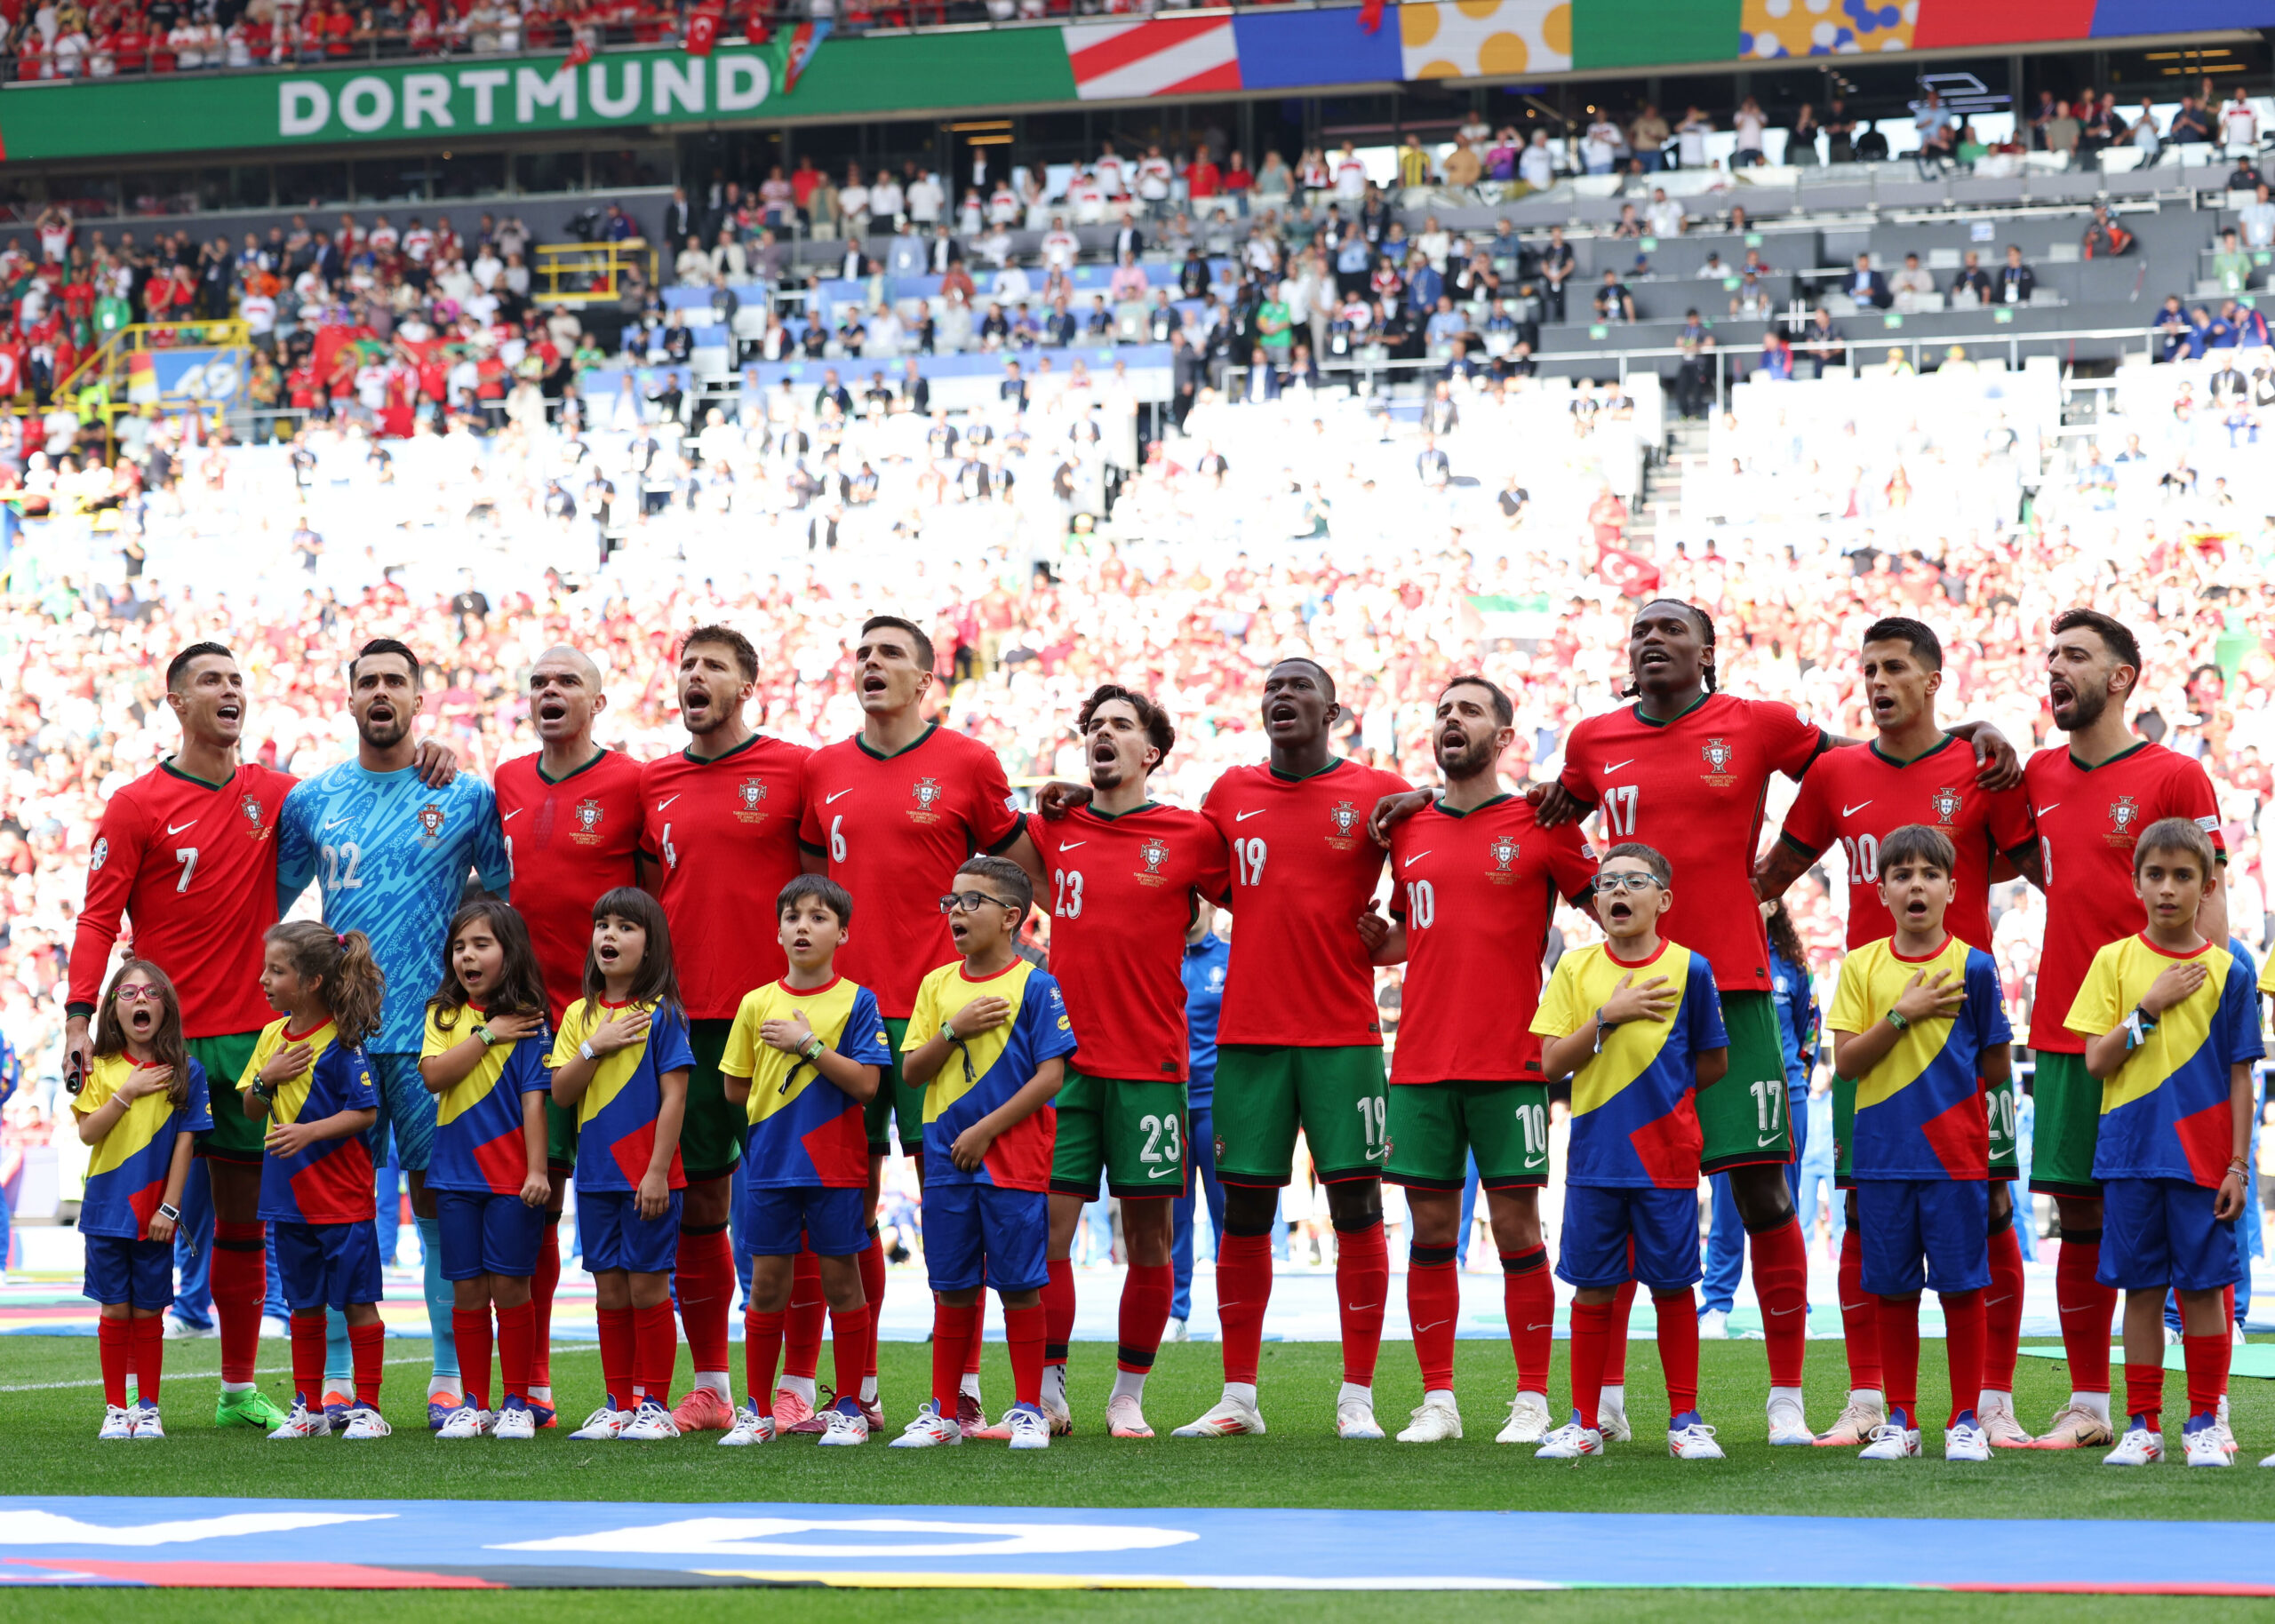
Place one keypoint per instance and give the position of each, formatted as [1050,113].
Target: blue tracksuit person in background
[1206,955]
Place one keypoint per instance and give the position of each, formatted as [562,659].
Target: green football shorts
[1435,1127]
[1131,1131]
[1335,1096]
[1744,1118]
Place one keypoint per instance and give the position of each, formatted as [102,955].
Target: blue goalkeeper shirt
[390,856]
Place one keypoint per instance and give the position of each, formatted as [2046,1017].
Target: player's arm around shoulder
[491,861]
[295,848]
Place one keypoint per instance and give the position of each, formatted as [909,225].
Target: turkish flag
[702,33]
[1631,573]
[755,28]
[580,53]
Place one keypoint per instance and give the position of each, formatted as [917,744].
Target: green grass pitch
[47,1441]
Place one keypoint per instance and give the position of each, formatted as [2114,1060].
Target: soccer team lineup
[713,991]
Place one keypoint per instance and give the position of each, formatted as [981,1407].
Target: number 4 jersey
[1121,897]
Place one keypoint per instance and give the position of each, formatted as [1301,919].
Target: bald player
[571,817]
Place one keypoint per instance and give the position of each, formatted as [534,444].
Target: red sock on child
[516,1351]
[618,1345]
[114,1343]
[471,1326]
[801,1328]
[367,1346]
[149,1357]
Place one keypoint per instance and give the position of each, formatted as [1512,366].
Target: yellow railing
[589,273]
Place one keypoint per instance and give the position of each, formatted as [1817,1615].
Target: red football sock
[1362,1289]
[1623,1310]
[618,1345]
[308,1356]
[367,1346]
[2002,1311]
[952,1336]
[1591,1339]
[543,1283]
[1529,1300]
[1964,1316]
[1244,1293]
[2208,1357]
[471,1326]
[517,1346]
[1859,1317]
[1147,1290]
[2087,1306]
[705,1277]
[115,1341]
[2144,1394]
[240,1283]
[1059,1309]
[872,1293]
[655,1348]
[2227,1323]
[149,1352]
[978,1343]
[1024,1329]
[802,1329]
[1678,1315]
[1781,1285]
[1434,1310]
[849,1348]
[1899,1328]
[763,1335]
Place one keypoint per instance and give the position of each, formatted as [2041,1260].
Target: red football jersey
[725,829]
[2088,821]
[1858,796]
[895,829]
[1121,897]
[193,866]
[1303,870]
[568,842]
[1478,892]
[1693,788]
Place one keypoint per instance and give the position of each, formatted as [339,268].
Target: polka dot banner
[1467,39]
[1773,28]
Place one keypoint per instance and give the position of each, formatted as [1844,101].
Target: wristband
[1899,1020]
[169,1212]
[1604,1028]
[265,1092]
[585,1049]
[949,1031]
[812,1051]
[483,1032]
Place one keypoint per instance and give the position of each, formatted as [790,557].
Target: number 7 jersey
[1692,787]
[1303,870]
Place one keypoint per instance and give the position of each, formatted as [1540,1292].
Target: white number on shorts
[1766,1105]
[1533,1120]
[1247,857]
[1374,1123]
[1161,1145]
[2002,1114]
[342,866]
[1421,904]
[187,856]
[1863,858]
[1619,811]
[837,839]
[1069,905]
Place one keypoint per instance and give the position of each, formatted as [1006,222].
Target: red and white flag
[580,53]
[1123,61]
[702,32]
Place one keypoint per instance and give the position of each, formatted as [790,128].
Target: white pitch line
[274,1370]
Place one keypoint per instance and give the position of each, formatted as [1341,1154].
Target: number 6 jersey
[1692,787]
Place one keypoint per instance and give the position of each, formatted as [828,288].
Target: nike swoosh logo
[1613,767]
[1241,817]
[2042,811]
[1767,1141]
[666,801]
[1157,1173]
[509,817]
[1847,811]
[1551,1326]
[1070,845]
[178,828]
[1433,1325]
[827,800]
[1415,859]
[336,822]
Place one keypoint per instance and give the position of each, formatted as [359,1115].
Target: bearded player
[1475,884]
[2091,800]
[1913,772]
[891,814]
[1687,769]
[1123,874]
[1299,1044]
[571,816]
[720,823]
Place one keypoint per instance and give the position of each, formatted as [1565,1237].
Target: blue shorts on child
[785,1217]
[613,1235]
[978,1235]
[484,1232]
[327,1265]
[2161,1232]
[1613,1234]
[1924,1234]
[139,1273]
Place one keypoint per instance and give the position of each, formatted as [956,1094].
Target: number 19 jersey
[1303,870]
[1692,787]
